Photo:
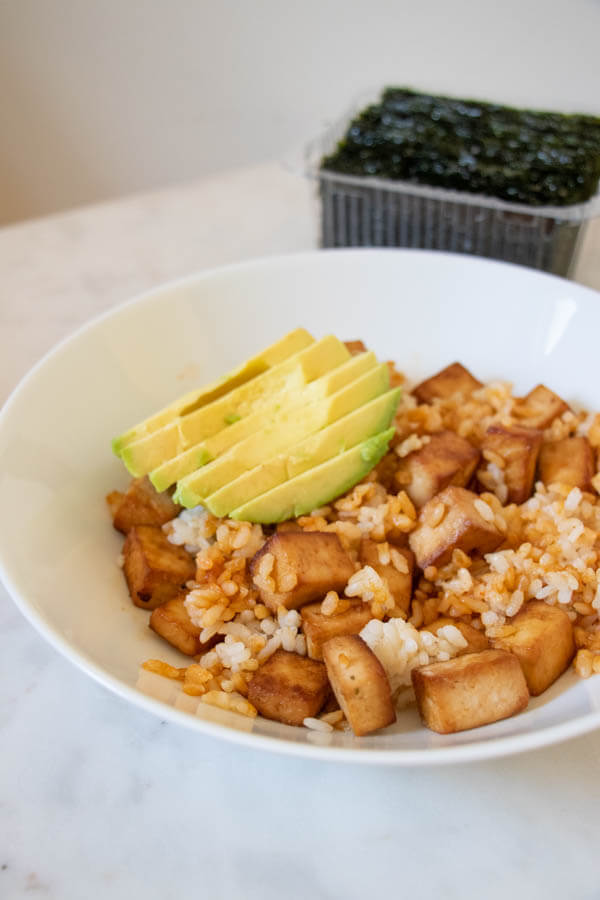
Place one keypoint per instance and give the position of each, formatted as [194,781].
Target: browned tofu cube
[539,407]
[519,447]
[454,379]
[476,640]
[171,621]
[542,641]
[141,505]
[289,688]
[114,500]
[355,347]
[399,580]
[469,691]
[289,525]
[446,459]
[319,628]
[453,520]
[569,461]
[296,567]
[155,569]
[359,683]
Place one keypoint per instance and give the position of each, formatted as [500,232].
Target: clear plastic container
[368,211]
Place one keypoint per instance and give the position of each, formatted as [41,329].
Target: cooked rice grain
[400,648]
[551,552]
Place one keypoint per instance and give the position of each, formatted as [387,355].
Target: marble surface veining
[102,800]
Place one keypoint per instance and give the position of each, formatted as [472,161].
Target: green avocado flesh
[285,432]
[177,467]
[369,419]
[289,428]
[143,455]
[317,486]
[281,350]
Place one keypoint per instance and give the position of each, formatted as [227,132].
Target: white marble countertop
[99,799]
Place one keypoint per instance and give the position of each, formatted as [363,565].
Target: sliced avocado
[347,432]
[290,427]
[183,464]
[317,486]
[339,377]
[281,350]
[144,455]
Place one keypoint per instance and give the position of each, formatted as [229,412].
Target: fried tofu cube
[171,621]
[519,448]
[359,683]
[469,691]
[569,461]
[446,459]
[319,628]
[398,572]
[289,525]
[141,504]
[296,567]
[539,407]
[476,640]
[542,640]
[114,500]
[454,379]
[155,569]
[289,688]
[455,519]
[355,347]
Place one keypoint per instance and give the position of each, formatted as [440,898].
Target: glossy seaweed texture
[524,156]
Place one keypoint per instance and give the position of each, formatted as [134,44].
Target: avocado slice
[290,427]
[144,455]
[317,486]
[369,419]
[190,460]
[276,353]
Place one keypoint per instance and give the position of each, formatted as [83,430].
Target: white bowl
[58,556]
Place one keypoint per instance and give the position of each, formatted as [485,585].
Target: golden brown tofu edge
[359,683]
[310,562]
[155,570]
[470,691]
[542,639]
[289,688]
[450,521]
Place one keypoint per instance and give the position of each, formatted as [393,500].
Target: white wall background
[104,97]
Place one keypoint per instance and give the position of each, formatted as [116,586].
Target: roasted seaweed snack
[524,156]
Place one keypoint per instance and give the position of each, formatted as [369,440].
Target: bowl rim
[460,753]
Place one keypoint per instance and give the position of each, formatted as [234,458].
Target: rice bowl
[555,330]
